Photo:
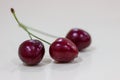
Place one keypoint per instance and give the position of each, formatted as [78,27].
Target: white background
[101,18]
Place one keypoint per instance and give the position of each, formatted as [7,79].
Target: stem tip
[12,10]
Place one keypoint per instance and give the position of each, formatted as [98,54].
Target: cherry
[80,37]
[31,52]
[63,50]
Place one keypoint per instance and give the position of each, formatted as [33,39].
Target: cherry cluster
[62,50]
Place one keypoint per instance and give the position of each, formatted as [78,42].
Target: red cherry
[31,52]
[63,50]
[80,37]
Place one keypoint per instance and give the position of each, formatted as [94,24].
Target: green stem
[20,24]
[41,32]
[25,28]
[33,34]
[40,39]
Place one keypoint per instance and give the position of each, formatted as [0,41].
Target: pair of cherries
[62,50]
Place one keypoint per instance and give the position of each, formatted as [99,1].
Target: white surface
[101,18]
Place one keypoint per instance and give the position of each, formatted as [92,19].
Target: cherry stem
[25,28]
[41,32]
[20,24]
[33,29]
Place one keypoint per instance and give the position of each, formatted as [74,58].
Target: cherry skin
[63,50]
[80,37]
[31,52]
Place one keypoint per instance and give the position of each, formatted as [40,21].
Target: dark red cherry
[31,52]
[80,37]
[63,50]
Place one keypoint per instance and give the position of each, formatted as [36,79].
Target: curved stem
[25,28]
[41,32]
[31,34]
[40,38]
[20,24]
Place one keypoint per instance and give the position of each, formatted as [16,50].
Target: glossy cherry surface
[31,52]
[63,50]
[80,37]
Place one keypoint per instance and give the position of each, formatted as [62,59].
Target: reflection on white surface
[54,71]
